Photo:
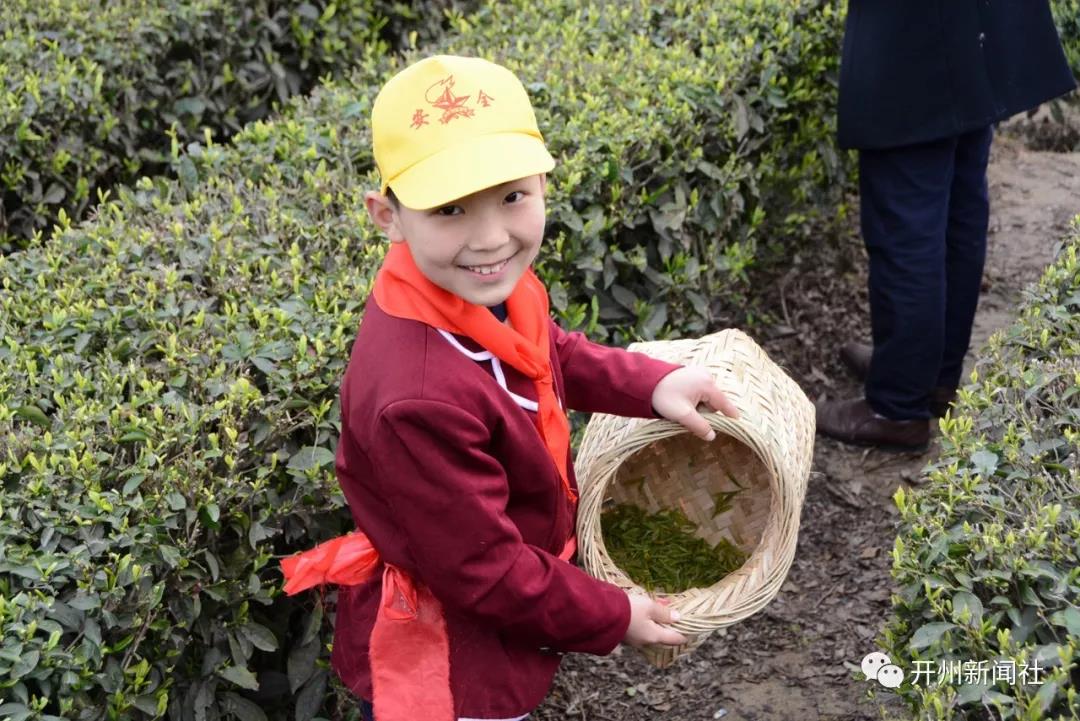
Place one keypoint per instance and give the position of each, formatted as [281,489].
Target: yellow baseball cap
[448,126]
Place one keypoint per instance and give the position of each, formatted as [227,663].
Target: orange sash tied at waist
[409,648]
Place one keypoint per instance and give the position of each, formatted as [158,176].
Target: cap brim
[469,167]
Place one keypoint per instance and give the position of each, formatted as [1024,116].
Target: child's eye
[448,210]
[514,197]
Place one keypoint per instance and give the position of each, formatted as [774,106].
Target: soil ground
[795,659]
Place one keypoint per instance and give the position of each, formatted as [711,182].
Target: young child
[454,454]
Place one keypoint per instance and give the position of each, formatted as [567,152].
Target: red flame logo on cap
[452,106]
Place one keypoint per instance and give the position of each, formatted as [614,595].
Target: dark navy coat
[920,70]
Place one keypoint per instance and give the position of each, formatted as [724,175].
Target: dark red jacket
[448,477]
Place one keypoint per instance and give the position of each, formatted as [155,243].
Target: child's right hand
[646,617]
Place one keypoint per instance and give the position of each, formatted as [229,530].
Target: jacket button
[982,38]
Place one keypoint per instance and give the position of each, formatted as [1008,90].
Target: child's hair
[393,198]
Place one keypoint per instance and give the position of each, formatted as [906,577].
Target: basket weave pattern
[757,468]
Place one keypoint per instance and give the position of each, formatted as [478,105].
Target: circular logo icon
[890,676]
[873,662]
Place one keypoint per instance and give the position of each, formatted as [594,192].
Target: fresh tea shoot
[660,552]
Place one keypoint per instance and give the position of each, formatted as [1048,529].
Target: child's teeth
[488,269]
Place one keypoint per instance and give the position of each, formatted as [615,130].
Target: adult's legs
[904,196]
[965,255]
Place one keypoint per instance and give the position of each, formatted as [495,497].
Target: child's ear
[543,183]
[384,215]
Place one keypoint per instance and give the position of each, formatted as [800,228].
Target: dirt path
[794,659]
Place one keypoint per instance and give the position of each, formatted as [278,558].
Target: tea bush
[988,557]
[169,370]
[92,88]
[169,375]
[686,133]
[712,152]
[1067,17]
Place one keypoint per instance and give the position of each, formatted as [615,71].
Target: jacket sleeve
[602,379]
[448,497]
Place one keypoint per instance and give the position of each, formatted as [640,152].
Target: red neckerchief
[401,290]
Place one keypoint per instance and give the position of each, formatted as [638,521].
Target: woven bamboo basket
[656,464]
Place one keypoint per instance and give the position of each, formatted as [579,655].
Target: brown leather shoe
[856,356]
[853,421]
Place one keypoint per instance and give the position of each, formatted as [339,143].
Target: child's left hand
[678,394]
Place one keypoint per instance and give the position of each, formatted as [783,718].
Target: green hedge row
[988,557]
[691,138]
[169,375]
[91,89]
[1067,16]
[169,370]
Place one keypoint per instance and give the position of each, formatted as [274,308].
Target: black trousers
[924,211]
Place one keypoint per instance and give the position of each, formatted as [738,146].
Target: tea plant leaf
[929,634]
[35,415]
[311,457]
[240,676]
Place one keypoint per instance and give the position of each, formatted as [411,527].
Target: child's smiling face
[476,247]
